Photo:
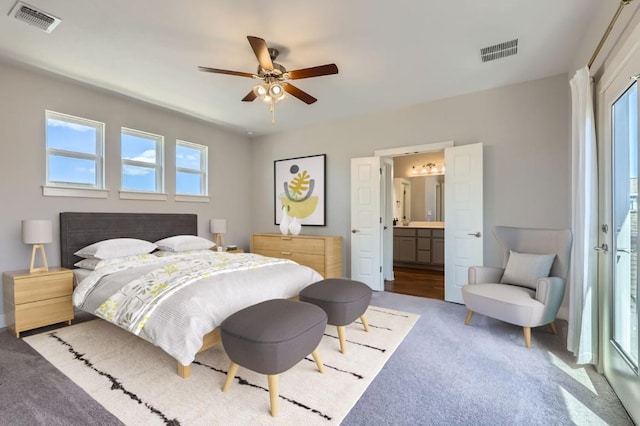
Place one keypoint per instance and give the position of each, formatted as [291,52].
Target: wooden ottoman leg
[364,323]
[273,393]
[343,342]
[316,357]
[233,369]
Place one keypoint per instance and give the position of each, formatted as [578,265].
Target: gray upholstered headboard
[79,229]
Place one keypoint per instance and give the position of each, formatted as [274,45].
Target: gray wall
[524,129]
[26,94]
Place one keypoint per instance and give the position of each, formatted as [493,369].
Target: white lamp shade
[37,231]
[218,226]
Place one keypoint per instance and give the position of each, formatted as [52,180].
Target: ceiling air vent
[500,50]
[32,16]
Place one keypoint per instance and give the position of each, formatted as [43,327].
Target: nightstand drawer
[45,287]
[43,312]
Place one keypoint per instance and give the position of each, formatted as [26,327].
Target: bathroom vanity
[419,245]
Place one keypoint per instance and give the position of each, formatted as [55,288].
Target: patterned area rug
[138,383]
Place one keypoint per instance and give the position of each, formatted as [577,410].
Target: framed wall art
[299,186]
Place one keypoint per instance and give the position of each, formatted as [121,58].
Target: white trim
[192,198]
[620,59]
[149,196]
[56,191]
[413,149]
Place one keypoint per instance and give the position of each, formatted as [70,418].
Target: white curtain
[582,338]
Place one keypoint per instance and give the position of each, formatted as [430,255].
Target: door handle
[353,231]
[603,248]
[623,250]
[475,234]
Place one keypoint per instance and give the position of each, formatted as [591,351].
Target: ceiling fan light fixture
[260,90]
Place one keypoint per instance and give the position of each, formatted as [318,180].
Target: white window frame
[203,171]
[158,166]
[76,189]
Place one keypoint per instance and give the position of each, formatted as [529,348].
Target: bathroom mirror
[419,198]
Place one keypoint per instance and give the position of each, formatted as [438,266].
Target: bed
[187,319]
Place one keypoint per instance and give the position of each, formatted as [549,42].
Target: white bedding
[179,322]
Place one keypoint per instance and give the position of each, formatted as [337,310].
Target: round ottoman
[270,338]
[342,299]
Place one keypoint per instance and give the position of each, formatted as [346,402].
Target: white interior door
[366,222]
[618,276]
[463,216]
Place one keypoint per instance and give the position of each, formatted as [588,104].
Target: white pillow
[94,264]
[524,269]
[165,253]
[116,247]
[184,243]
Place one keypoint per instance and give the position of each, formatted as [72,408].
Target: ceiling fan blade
[250,97]
[261,50]
[219,71]
[303,96]
[313,71]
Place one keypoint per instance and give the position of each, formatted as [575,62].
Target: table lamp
[218,227]
[38,233]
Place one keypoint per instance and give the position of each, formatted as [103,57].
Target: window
[75,151]
[142,161]
[191,168]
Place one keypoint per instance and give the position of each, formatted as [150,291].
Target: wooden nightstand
[238,250]
[38,299]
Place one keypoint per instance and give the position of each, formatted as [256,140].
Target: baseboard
[563,313]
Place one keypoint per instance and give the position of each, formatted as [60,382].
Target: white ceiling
[390,54]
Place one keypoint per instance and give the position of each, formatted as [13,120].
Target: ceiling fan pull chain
[273,111]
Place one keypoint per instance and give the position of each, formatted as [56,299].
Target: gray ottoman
[270,338]
[342,299]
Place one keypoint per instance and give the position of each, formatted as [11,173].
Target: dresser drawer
[322,253]
[314,261]
[45,287]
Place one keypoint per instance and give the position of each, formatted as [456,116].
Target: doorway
[418,208]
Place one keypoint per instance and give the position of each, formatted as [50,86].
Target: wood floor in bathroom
[417,282]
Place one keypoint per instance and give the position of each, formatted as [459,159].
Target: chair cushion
[513,304]
[524,269]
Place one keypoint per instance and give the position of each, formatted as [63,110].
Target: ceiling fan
[275,78]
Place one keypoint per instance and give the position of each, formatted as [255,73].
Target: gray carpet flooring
[443,373]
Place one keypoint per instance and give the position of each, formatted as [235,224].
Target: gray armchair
[528,289]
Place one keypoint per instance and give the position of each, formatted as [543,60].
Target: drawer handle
[288,253]
[286,238]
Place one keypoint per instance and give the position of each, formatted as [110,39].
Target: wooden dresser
[324,254]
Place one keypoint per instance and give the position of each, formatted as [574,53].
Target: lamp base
[219,240]
[45,266]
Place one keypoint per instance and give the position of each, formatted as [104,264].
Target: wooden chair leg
[527,336]
[341,336]
[364,323]
[316,357]
[554,330]
[469,315]
[273,393]
[233,369]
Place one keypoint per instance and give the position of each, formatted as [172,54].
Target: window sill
[57,191]
[149,196]
[192,198]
